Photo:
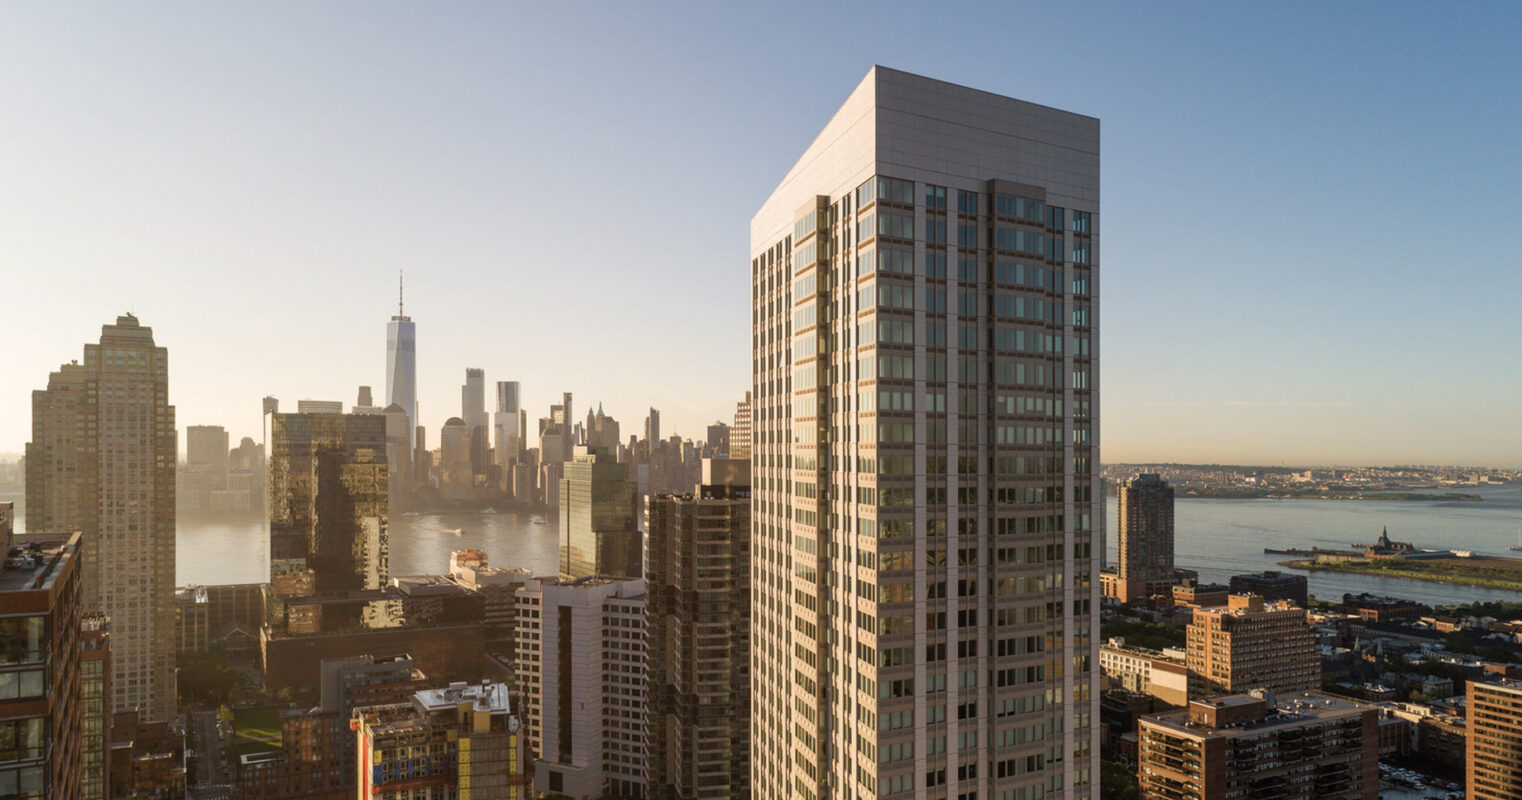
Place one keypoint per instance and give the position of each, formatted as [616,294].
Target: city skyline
[227,173]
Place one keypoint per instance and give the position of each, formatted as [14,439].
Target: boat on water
[488,511]
[455,531]
[540,521]
[1517,548]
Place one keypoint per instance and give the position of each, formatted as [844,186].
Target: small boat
[455,531]
[488,511]
[540,521]
[1518,546]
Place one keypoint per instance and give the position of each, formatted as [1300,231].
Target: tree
[1118,781]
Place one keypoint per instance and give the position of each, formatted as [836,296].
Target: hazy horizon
[569,190]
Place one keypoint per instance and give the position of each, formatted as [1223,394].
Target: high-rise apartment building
[401,363]
[41,719]
[739,432]
[1250,644]
[1306,746]
[328,504]
[598,533]
[1493,761]
[925,438]
[102,462]
[697,575]
[581,668]
[1144,559]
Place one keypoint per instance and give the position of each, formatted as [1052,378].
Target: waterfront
[1220,538]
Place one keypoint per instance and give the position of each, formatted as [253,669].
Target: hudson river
[1219,538]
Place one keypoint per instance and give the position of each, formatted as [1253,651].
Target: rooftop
[35,561]
[484,696]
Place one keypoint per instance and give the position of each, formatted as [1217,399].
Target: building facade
[1493,763]
[328,503]
[1144,541]
[463,741]
[1272,585]
[1302,747]
[102,462]
[41,703]
[581,669]
[1249,644]
[598,532]
[697,574]
[924,287]
[739,432]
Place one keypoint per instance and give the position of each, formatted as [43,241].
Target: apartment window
[935,197]
[1082,221]
[967,202]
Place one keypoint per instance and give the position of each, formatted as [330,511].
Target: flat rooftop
[36,560]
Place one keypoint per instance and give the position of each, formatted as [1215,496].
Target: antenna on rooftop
[399,293]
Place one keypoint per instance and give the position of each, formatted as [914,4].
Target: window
[1082,222]
[935,197]
[967,202]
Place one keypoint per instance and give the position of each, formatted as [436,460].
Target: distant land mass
[1398,483]
[1249,493]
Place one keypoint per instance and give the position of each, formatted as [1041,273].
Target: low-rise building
[461,741]
[1272,585]
[1163,674]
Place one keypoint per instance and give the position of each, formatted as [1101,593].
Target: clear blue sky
[1312,213]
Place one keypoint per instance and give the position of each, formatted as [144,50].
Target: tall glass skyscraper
[925,452]
[401,367]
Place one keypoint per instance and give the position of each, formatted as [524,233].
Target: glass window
[21,640]
[935,197]
[967,202]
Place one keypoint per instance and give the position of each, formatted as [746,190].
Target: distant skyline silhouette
[1309,223]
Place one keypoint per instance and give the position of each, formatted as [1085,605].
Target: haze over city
[1311,238]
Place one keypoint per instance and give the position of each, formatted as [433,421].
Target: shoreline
[1406,572]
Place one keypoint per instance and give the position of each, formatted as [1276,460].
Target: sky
[1310,211]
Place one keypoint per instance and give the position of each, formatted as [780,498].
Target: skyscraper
[1144,543]
[697,574]
[739,433]
[581,669]
[102,462]
[598,534]
[477,421]
[207,446]
[328,504]
[924,292]
[401,363]
[508,441]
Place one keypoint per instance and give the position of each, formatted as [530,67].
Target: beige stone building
[102,462]
[925,420]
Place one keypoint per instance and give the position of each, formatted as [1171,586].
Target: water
[211,553]
[1220,538]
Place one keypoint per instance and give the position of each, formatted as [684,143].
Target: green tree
[1117,781]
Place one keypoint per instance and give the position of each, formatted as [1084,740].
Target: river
[1219,538]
